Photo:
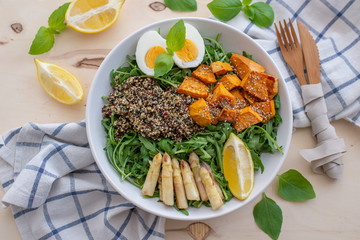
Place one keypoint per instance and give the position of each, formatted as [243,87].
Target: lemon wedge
[238,167]
[92,16]
[59,83]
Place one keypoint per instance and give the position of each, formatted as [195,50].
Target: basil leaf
[181,5]
[43,41]
[56,20]
[175,39]
[293,186]
[246,2]
[249,12]
[163,64]
[268,216]
[261,14]
[225,10]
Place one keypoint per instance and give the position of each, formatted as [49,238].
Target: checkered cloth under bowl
[56,191]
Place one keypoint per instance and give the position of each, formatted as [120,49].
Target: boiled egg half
[192,54]
[149,46]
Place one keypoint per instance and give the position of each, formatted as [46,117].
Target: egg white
[147,41]
[192,34]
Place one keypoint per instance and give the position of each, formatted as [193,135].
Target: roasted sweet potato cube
[194,88]
[243,65]
[220,68]
[272,84]
[209,97]
[246,118]
[230,81]
[213,89]
[204,74]
[255,84]
[250,98]
[222,97]
[240,101]
[228,115]
[199,112]
[265,109]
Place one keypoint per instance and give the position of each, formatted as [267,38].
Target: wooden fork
[291,50]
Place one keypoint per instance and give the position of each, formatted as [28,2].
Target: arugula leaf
[147,144]
[268,216]
[257,161]
[165,145]
[175,39]
[43,41]
[163,64]
[56,20]
[260,13]
[225,10]
[214,52]
[245,54]
[293,186]
[181,5]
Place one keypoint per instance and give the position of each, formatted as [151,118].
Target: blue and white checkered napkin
[335,26]
[56,191]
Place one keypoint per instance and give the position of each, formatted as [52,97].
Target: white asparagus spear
[167,186]
[195,167]
[191,190]
[211,191]
[180,196]
[159,186]
[213,178]
[152,176]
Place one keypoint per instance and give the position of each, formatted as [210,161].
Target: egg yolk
[189,52]
[152,54]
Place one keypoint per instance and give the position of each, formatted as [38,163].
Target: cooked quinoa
[140,105]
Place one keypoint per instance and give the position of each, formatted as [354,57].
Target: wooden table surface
[334,214]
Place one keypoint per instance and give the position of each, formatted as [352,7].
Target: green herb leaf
[175,39]
[181,5]
[260,13]
[246,2]
[293,186]
[268,216]
[225,10]
[147,144]
[249,12]
[43,41]
[245,54]
[163,64]
[56,20]
[165,145]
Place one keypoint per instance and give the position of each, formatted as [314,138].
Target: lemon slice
[92,16]
[238,167]
[59,83]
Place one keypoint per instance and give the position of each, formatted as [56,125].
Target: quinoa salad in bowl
[170,106]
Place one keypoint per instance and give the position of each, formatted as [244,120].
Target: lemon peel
[58,82]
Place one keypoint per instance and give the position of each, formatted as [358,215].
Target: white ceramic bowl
[232,40]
